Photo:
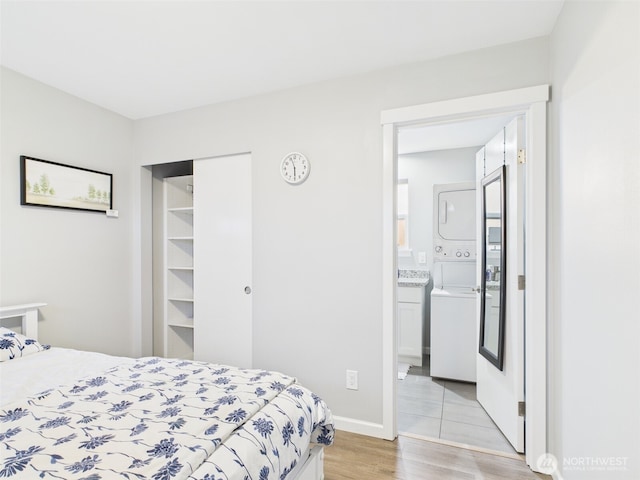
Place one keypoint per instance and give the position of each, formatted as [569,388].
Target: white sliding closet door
[222,260]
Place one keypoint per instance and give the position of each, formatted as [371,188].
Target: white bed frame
[28,313]
[311,465]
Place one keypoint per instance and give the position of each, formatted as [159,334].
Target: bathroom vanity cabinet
[411,313]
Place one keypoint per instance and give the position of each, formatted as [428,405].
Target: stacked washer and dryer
[453,298]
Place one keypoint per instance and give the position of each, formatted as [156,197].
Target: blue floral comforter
[164,419]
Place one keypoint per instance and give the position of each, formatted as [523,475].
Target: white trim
[459,108]
[532,102]
[389,281]
[536,382]
[466,446]
[141,273]
[143,260]
[360,427]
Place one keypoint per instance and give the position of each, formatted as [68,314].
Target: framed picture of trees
[50,184]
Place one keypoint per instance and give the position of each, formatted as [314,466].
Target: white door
[500,392]
[222,260]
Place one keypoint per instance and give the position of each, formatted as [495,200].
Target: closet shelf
[181,325]
[177,299]
[181,210]
[178,267]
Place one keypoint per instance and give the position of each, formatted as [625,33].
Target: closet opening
[196,259]
[181,336]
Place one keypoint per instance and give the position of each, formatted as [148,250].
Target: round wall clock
[295,168]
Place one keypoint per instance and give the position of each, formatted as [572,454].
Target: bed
[83,415]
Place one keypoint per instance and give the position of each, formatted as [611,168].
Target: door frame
[531,102]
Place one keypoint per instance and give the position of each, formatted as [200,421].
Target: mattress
[71,414]
[33,374]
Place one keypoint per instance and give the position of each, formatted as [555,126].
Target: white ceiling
[459,134]
[145,58]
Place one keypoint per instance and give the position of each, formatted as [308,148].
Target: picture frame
[44,183]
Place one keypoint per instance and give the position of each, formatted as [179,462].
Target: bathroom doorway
[435,162]
[530,102]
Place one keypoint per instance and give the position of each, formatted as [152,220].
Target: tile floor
[445,409]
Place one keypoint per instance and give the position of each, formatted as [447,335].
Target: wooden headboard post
[29,315]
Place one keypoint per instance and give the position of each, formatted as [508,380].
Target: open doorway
[437,170]
[531,103]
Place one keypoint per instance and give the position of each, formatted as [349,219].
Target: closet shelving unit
[178,271]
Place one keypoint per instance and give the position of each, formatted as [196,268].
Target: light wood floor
[356,457]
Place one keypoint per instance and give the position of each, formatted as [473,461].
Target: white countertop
[413,278]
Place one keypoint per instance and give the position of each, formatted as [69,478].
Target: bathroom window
[403,214]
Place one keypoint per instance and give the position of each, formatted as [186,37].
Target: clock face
[295,168]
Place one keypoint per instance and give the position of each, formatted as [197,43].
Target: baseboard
[556,475]
[360,427]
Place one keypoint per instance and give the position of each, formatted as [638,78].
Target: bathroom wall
[423,170]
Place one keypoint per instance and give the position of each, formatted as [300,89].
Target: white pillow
[13,345]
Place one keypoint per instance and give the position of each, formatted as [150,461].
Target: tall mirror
[493,284]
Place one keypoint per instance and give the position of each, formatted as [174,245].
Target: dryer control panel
[462,252]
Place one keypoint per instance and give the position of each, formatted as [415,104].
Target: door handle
[247,290]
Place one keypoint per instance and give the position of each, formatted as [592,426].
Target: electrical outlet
[352,379]
[422,257]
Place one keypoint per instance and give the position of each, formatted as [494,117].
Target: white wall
[423,170]
[317,247]
[79,263]
[595,237]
